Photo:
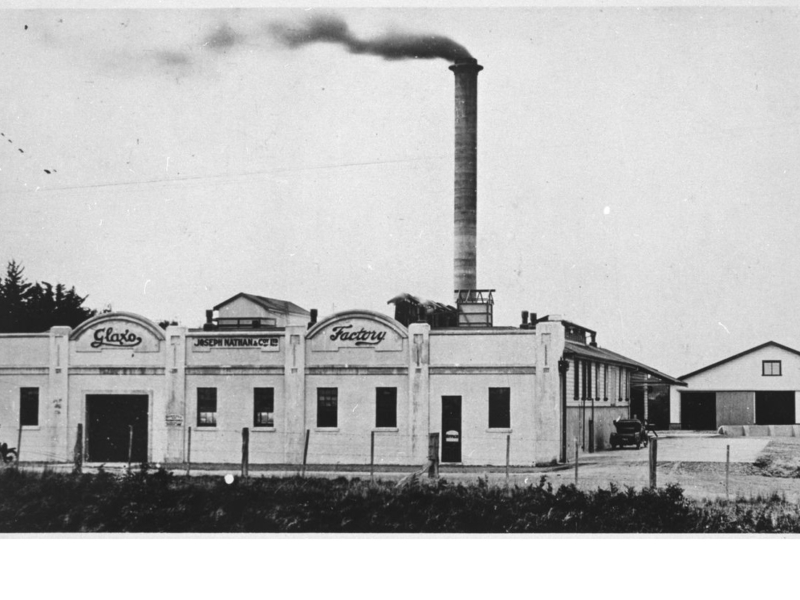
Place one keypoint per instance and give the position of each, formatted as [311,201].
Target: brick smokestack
[466,194]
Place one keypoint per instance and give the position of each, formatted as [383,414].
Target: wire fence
[707,465]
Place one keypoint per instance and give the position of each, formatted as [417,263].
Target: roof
[429,305]
[281,306]
[604,355]
[735,356]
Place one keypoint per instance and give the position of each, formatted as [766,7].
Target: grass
[780,458]
[156,501]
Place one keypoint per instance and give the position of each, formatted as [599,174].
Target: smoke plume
[391,46]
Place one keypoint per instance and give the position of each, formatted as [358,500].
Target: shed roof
[604,355]
[271,304]
[735,356]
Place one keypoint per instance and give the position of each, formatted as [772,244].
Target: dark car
[629,432]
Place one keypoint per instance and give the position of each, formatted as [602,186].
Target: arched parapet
[357,329]
[115,331]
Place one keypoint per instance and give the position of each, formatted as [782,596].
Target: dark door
[451,429]
[108,422]
[699,410]
[775,408]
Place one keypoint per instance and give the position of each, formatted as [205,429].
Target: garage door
[698,410]
[775,408]
[116,424]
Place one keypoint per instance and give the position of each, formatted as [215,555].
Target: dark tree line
[36,307]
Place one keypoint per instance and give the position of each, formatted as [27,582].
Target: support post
[77,455]
[727,472]
[433,455]
[576,462]
[245,452]
[305,452]
[653,462]
[372,457]
[189,452]
[130,445]
[591,432]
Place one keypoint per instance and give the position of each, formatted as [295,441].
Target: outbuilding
[741,393]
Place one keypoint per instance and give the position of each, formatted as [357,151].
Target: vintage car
[628,433]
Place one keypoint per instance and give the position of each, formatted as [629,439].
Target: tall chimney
[466,197]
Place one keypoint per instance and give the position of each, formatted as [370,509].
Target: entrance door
[775,408]
[108,422]
[451,428]
[699,410]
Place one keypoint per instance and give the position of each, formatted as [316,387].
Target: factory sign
[357,333]
[231,342]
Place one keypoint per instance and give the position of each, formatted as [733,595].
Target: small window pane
[386,407]
[771,368]
[499,408]
[263,407]
[206,407]
[29,407]
[327,403]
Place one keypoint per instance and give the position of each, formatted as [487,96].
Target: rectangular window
[386,407]
[206,407]
[29,407]
[327,407]
[499,408]
[605,383]
[771,368]
[576,366]
[263,407]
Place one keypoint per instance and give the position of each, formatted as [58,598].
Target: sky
[638,169]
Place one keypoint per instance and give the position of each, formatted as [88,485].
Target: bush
[157,501]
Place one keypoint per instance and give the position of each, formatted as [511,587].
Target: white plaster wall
[744,373]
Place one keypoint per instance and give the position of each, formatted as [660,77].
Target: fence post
[653,462]
[245,452]
[508,453]
[591,434]
[305,452]
[727,472]
[19,437]
[77,454]
[433,455]
[372,457]
[189,453]
[576,462]
[130,445]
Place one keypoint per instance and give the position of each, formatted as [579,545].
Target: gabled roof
[604,355]
[271,304]
[735,356]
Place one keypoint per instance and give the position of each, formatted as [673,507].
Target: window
[327,402]
[576,367]
[29,407]
[386,407]
[771,368]
[605,383]
[206,407]
[263,407]
[499,408]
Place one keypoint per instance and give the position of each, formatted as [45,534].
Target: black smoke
[391,46]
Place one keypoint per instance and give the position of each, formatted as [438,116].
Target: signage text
[362,337]
[112,339]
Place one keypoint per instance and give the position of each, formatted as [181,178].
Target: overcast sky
[638,169]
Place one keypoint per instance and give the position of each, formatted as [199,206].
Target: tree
[26,307]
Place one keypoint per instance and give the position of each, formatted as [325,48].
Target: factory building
[339,390]
[755,392]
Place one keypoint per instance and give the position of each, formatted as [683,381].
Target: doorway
[110,420]
[451,428]
[698,410]
[775,408]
